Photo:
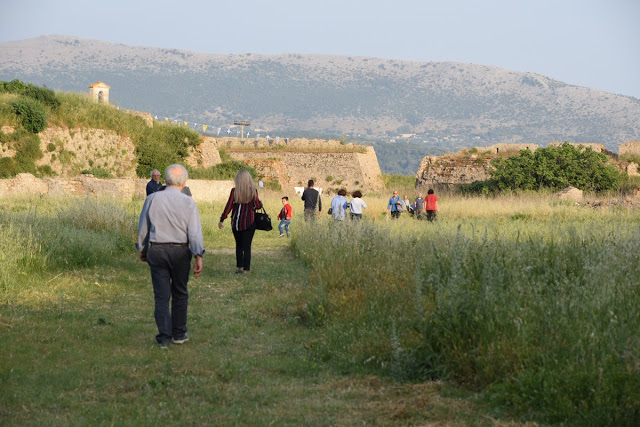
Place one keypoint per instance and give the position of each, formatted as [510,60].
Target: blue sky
[591,43]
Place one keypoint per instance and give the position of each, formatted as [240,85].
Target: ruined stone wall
[293,144]
[447,171]
[294,162]
[506,148]
[349,170]
[204,156]
[25,184]
[631,148]
[70,151]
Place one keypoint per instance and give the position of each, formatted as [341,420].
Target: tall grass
[535,305]
[63,233]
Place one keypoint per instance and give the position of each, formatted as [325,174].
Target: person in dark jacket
[243,202]
[311,198]
[155,184]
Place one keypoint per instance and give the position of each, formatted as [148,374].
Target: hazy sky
[592,43]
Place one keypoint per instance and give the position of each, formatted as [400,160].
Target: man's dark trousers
[170,267]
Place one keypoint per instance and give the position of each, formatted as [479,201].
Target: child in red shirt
[285,217]
[431,205]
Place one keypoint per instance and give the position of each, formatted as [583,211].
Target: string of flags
[216,129]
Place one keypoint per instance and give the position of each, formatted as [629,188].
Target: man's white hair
[175,175]
[155,170]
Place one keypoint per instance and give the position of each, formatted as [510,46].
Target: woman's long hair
[245,187]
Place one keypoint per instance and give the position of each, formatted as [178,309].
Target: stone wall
[446,171]
[631,148]
[70,151]
[25,184]
[293,144]
[292,163]
[506,148]
[349,170]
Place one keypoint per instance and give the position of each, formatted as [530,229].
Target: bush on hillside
[27,148]
[98,173]
[31,114]
[7,167]
[223,171]
[163,145]
[552,168]
[14,86]
[42,94]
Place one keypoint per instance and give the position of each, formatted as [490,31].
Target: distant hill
[439,106]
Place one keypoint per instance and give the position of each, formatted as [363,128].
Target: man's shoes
[239,271]
[180,340]
[282,235]
[163,345]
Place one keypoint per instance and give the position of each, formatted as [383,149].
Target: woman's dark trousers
[243,247]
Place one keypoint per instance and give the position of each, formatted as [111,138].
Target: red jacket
[431,202]
[285,213]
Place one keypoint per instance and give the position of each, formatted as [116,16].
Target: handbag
[330,211]
[262,220]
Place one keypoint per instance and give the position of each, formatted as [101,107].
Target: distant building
[99,92]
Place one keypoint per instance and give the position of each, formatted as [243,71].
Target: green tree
[163,145]
[31,114]
[555,168]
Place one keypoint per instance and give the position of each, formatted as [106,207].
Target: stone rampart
[25,184]
[506,148]
[447,171]
[631,148]
[283,143]
[349,170]
[293,162]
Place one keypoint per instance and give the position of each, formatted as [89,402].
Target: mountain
[439,106]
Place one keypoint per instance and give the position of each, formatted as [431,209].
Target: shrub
[14,86]
[31,114]
[223,171]
[7,167]
[44,170]
[555,168]
[51,147]
[98,173]
[272,185]
[163,145]
[44,95]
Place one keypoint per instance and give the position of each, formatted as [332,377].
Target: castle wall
[631,148]
[507,148]
[447,171]
[294,162]
[354,170]
[25,184]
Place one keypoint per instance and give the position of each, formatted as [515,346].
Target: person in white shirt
[356,205]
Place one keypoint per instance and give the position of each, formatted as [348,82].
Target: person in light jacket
[339,206]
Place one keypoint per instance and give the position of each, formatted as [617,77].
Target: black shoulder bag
[262,220]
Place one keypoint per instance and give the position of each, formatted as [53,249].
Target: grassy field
[503,312]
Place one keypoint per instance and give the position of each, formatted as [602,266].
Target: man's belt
[169,244]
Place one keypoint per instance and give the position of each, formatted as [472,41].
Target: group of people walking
[420,207]
[170,235]
[339,204]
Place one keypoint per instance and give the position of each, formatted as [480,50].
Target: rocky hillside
[446,105]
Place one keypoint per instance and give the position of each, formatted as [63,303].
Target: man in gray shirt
[169,235]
